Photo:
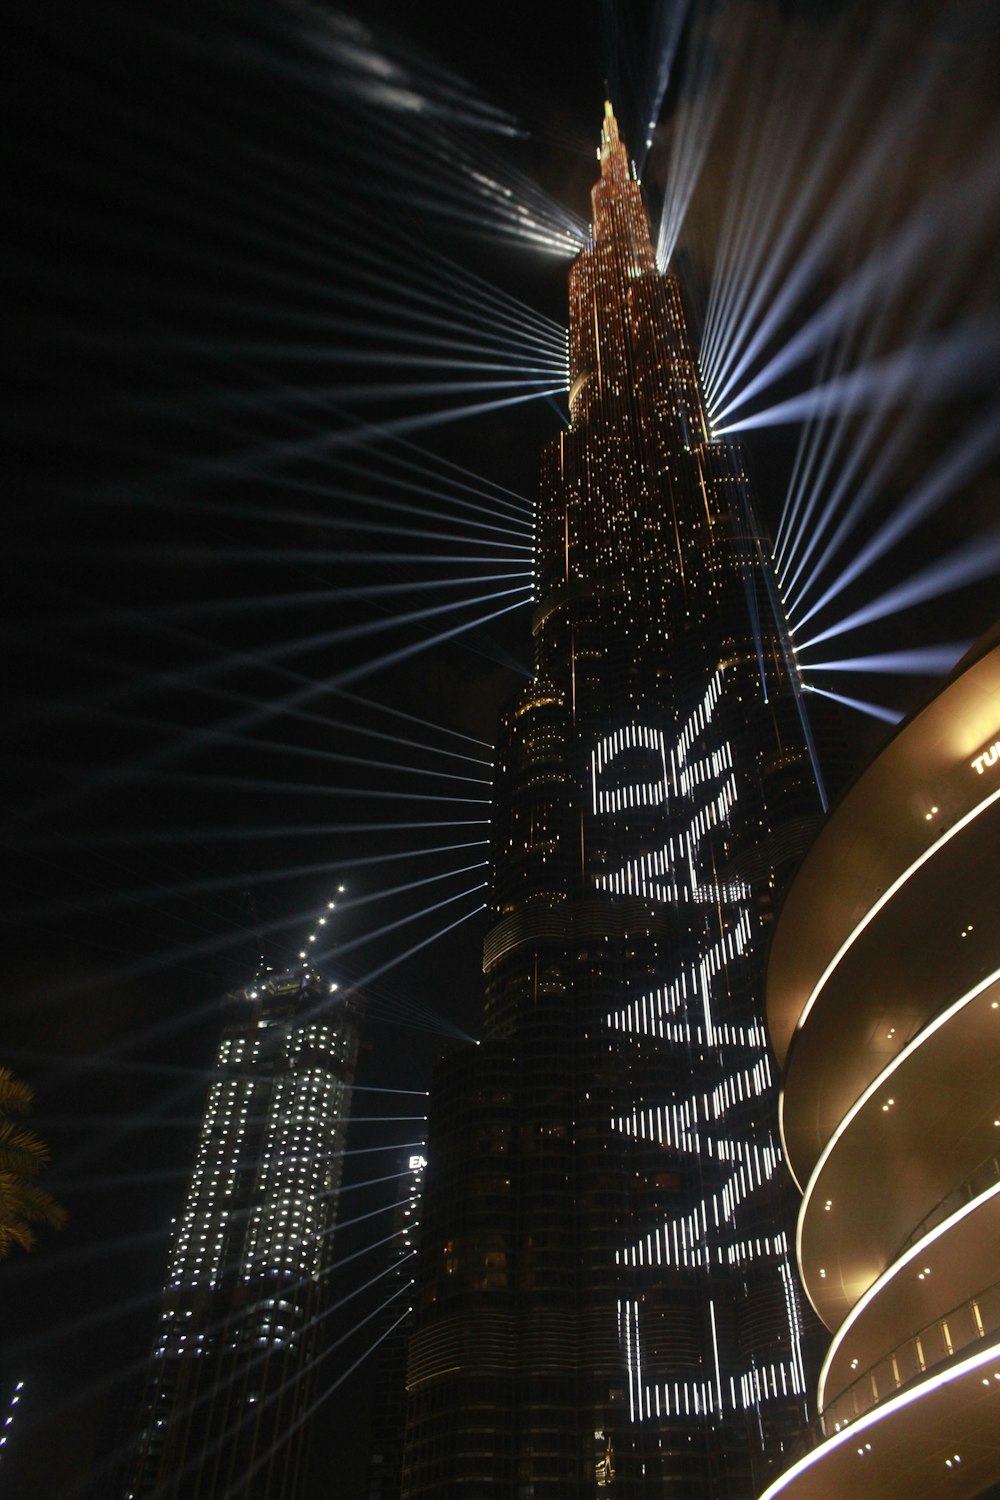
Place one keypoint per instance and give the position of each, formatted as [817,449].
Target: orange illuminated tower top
[616,198]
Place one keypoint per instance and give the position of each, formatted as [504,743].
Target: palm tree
[23,1154]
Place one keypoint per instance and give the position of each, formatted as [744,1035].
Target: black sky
[198,206]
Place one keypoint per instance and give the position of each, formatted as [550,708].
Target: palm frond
[15,1097]
[21,1150]
[23,1154]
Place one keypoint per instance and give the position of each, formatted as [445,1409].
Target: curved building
[884,1010]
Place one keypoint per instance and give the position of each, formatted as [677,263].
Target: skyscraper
[233,1368]
[606,1302]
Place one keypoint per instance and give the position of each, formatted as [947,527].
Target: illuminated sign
[417,1163]
[987,758]
[675,773]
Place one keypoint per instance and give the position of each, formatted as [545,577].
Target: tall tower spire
[609,130]
[606,1301]
[617,195]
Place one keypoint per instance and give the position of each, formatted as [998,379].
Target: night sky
[240,244]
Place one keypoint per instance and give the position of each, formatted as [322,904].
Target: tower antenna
[255,927]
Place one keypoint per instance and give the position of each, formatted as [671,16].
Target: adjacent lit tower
[606,1303]
[232,1378]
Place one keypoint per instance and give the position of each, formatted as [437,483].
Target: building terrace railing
[975,1319]
[982,1177]
[935,1345]
[938,1343]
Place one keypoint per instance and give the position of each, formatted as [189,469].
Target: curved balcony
[920,1127]
[916,793]
[935,1438]
[931,940]
[884,1008]
[921,1282]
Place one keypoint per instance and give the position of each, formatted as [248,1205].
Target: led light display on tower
[606,1303]
[232,1374]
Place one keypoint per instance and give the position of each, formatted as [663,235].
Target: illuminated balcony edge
[877,1083]
[929,756]
[881,1413]
[915,1252]
[865,922]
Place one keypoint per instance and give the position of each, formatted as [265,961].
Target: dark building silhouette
[388,1407]
[232,1378]
[606,1301]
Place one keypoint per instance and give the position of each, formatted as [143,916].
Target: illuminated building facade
[883,998]
[232,1377]
[606,1300]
